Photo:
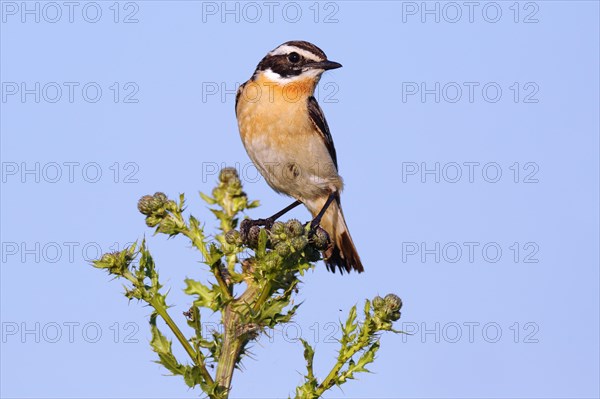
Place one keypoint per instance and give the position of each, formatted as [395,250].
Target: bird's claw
[268,223]
[247,224]
[314,225]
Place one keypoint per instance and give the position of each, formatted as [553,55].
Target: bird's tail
[342,252]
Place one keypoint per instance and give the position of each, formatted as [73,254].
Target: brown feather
[342,253]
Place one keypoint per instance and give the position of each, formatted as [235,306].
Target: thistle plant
[253,277]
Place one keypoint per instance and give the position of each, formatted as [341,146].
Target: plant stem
[233,343]
[219,277]
[264,295]
[196,357]
[328,382]
[234,339]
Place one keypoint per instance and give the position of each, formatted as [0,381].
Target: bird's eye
[294,57]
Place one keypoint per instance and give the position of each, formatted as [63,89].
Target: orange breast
[278,133]
[276,111]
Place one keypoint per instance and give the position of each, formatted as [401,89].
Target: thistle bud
[386,310]
[298,243]
[229,176]
[320,239]
[107,260]
[378,302]
[393,302]
[146,205]
[244,228]
[150,204]
[395,316]
[277,233]
[161,198]
[294,228]
[277,228]
[152,221]
[233,237]
[253,235]
[115,262]
[283,249]
[169,225]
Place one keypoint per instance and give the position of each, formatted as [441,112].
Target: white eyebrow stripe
[288,49]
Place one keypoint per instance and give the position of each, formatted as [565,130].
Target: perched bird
[287,137]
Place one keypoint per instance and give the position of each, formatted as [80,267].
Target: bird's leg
[268,222]
[282,212]
[317,220]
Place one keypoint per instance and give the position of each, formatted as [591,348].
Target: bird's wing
[237,95]
[318,119]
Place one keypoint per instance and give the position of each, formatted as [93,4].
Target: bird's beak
[325,65]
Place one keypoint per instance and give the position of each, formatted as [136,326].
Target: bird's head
[294,61]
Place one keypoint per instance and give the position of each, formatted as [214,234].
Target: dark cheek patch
[281,66]
[285,71]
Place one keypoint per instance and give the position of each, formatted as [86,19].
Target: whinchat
[287,137]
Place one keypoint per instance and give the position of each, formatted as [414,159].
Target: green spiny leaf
[309,354]
[351,324]
[194,224]
[208,199]
[208,298]
[162,346]
[367,357]
[192,376]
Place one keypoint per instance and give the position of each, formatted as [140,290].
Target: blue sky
[467,136]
